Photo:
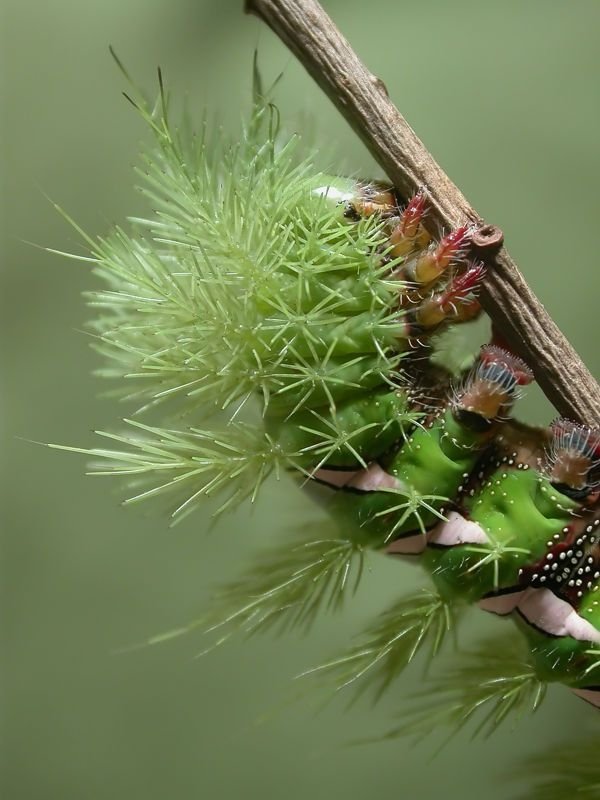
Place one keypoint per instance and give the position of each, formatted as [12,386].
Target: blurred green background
[505,95]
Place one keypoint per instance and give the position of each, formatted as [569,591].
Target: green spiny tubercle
[429,467]
[434,459]
[353,434]
[519,511]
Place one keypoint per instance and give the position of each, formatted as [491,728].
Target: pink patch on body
[334,477]
[373,479]
[502,603]
[408,545]
[590,695]
[549,613]
[457,530]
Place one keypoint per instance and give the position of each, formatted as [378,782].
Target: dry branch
[362,99]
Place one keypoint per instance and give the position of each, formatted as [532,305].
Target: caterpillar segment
[354,433]
[334,335]
[432,461]
[559,608]
[502,524]
[349,362]
[527,542]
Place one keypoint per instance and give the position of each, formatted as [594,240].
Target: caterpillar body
[519,530]
[292,315]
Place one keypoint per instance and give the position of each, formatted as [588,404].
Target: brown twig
[362,99]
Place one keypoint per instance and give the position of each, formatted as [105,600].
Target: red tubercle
[413,214]
[453,244]
[457,296]
[492,354]
[463,284]
[434,262]
[409,236]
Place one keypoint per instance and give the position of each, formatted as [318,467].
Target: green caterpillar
[290,316]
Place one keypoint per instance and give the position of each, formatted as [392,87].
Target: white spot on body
[333,193]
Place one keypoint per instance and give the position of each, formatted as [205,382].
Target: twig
[362,99]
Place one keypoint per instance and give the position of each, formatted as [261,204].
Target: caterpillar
[285,320]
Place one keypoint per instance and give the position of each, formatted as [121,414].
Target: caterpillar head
[490,389]
[358,199]
[372,197]
[573,458]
